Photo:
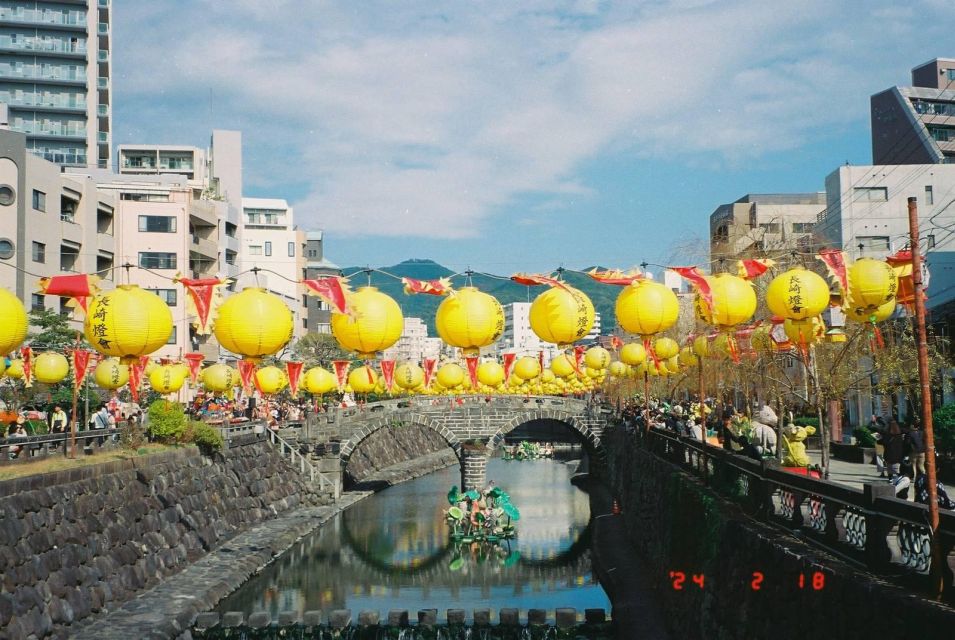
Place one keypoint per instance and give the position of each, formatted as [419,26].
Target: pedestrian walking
[916,443]
[894,449]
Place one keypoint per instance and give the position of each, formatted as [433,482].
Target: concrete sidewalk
[851,474]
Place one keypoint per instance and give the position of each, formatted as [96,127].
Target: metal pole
[703,419]
[646,399]
[925,384]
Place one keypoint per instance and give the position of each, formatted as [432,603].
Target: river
[391,551]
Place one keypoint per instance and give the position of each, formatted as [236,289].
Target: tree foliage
[318,350]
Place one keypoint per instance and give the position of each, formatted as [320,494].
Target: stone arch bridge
[473,426]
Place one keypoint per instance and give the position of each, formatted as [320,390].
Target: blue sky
[513,136]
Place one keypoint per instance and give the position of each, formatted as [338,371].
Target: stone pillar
[473,467]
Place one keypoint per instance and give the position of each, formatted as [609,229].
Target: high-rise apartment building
[414,345]
[758,224]
[56,77]
[519,338]
[916,124]
[317,266]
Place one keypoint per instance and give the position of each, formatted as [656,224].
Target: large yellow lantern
[561,315]
[633,353]
[50,367]
[253,323]
[167,378]
[13,322]
[15,370]
[666,348]
[673,364]
[880,313]
[688,357]
[646,307]
[363,379]
[562,366]
[597,358]
[872,283]
[527,368]
[797,294]
[547,376]
[319,381]
[733,301]
[111,374]
[490,373]
[270,380]
[450,375]
[469,319]
[618,369]
[219,377]
[408,375]
[127,322]
[373,324]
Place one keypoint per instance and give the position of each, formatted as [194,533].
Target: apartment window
[157,224]
[156,260]
[874,243]
[929,195]
[39,252]
[39,200]
[305,300]
[230,229]
[268,248]
[169,296]
[174,336]
[229,256]
[291,249]
[871,194]
[942,134]
[255,249]
[305,323]
[769,227]
[950,74]
[36,302]
[145,197]
[930,240]
[802,227]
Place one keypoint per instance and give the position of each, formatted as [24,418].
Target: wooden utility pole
[705,464]
[926,396]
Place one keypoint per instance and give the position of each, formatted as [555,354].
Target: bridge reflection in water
[391,551]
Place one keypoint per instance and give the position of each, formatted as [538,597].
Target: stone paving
[852,474]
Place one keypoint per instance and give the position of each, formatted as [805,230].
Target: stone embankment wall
[391,446]
[80,542]
[678,525]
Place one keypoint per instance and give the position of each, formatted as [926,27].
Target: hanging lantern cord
[467,274]
[367,271]
[255,274]
[127,266]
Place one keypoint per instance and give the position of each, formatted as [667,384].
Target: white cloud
[413,122]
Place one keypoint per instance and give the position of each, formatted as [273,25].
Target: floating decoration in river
[561,315]
[469,319]
[127,322]
[525,450]
[481,516]
[373,323]
[50,367]
[253,323]
[111,374]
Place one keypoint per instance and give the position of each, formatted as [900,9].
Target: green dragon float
[481,516]
[528,451]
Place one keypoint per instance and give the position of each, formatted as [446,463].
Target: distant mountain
[505,290]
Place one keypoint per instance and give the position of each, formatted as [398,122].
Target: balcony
[102,137]
[204,247]
[77,158]
[102,83]
[31,75]
[102,110]
[33,129]
[48,47]
[102,56]
[102,29]
[71,20]
[36,102]
[202,214]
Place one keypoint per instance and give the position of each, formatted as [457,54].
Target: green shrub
[36,427]
[207,438]
[167,421]
[943,420]
[864,437]
[806,421]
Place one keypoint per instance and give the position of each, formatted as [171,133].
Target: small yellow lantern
[872,283]
[701,346]
[15,370]
[469,319]
[270,379]
[646,307]
[167,379]
[13,322]
[127,322]
[408,376]
[562,366]
[882,312]
[374,324]
[50,367]
[734,301]
[363,379]
[760,339]
[618,369]
[253,323]
[547,376]
[597,358]
[561,315]
[666,348]
[633,353]
[111,374]
[450,375]
[797,294]
[319,381]
[219,378]
[688,357]
[805,332]
[673,364]
[527,368]
[490,373]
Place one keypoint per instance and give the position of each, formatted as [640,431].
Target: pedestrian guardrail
[21,449]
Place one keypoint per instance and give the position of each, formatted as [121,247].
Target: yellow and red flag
[699,282]
[835,261]
[536,279]
[331,290]
[615,276]
[78,287]
[294,371]
[752,269]
[438,287]
[203,297]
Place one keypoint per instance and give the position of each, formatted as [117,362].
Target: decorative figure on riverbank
[795,447]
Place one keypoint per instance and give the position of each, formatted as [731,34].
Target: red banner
[579,358]
[294,371]
[194,362]
[247,375]
[331,291]
[835,262]
[431,287]
[472,363]
[81,363]
[26,353]
[509,359]
[341,371]
[901,263]
[534,279]
[751,269]
[429,366]
[388,373]
[699,282]
[79,288]
[615,343]
[615,276]
[202,299]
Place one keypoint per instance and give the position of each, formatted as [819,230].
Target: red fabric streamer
[615,343]
[879,340]
[615,276]
[534,279]
[135,380]
[733,348]
[472,365]
[294,371]
[901,263]
[651,353]
[540,360]
[201,293]
[331,291]
[579,358]
[429,366]
[26,353]
[388,373]
[79,287]
[194,361]
[752,269]
[508,362]
[835,262]
[438,287]
[247,375]
[341,371]
[81,363]
[699,282]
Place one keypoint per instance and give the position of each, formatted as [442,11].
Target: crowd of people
[217,409]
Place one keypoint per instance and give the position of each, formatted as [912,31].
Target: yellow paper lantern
[633,353]
[797,294]
[872,283]
[805,332]
[50,367]
[666,348]
[363,379]
[111,374]
[527,368]
[592,373]
[13,322]
[562,366]
[618,369]
[253,323]
[219,377]
[882,312]
[547,376]
[450,375]
[646,307]
[469,319]
[688,357]
[319,381]
[673,364]
[3,365]
[734,301]
[127,322]
[167,379]
[760,339]
[597,358]
[701,346]
[490,373]
[721,346]
[408,376]
[15,370]
[374,324]
[270,379]
[561,315]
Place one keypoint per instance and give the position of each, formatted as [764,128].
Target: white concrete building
[414,345]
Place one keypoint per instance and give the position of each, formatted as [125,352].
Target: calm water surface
[391,551]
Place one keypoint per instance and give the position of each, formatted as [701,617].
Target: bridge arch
[398,420]
[591,439]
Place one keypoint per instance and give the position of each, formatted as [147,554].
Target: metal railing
[868,527]
[31,447]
